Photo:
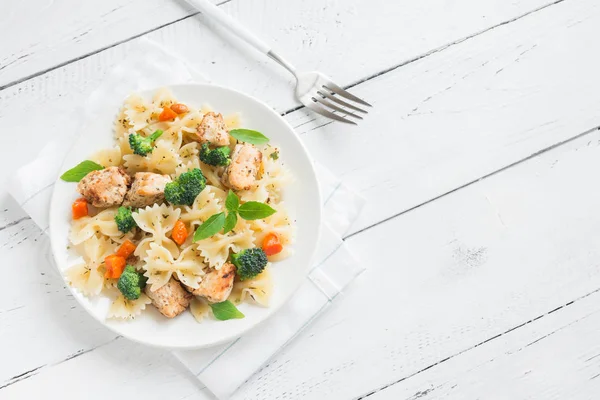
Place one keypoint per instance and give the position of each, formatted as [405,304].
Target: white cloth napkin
[225,367]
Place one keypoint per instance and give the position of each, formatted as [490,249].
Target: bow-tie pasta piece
[216,249]
[213,175]
[163,98]
[164,159]
[209,202]
[188,159]
[157,221]
[102,223]
[160,266]
[199,308]
[279,223]
[122,308]
[108,157]
[88,276]
[139,112]
[258,289]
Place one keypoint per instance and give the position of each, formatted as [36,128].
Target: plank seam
[568,304]
[22,376]
[35,371]
[474,181]
[13,223]
[446,46]
[110,46]
[351,85]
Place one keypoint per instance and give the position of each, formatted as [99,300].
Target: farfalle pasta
[138,112]
[279,224]
[199,308]
[164,159]
[213,176]
[216,249]
[192,215]
[258,289]
[108,157]
[157,221]
[163,98]
[209,202]
[123,308]
[102,223]
[160,266]
[88,276]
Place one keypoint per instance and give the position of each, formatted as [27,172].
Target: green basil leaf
[226,310]
[210,227]
[249,136]
[232,202]
[230,222]
[255,210]
[78,172]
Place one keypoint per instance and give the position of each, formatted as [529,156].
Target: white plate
[302,199]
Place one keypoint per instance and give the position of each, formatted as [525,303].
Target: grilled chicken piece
[216,285]
[106,187]
[212,129]
[241,174]
[170,299]
[147,189]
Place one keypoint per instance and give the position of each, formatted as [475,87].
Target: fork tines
[326,103]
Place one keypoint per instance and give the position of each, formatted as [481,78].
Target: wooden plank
[46,34]
[555,357]
[121,369]
[37,312]
[313,34]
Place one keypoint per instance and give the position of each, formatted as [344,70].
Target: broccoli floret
[183,190]
[249,262]
[216,157]
[131,283]
[124,219]
[143,145]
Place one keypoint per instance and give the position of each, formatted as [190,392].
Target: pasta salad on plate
[185,212]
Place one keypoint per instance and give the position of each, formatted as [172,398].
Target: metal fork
[313,89]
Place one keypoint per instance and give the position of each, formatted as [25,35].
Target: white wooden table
[479,162]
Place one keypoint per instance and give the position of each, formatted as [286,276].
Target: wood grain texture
[555,357]
[45,34]
[118,370]
[454,116]
[322,33]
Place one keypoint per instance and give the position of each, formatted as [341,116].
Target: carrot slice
[167,114]
[271,244]
[114,266]
[180,108]
[179,233]
[79,208]
[126,249]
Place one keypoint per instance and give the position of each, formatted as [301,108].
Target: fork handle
[220,16]
[233,26]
